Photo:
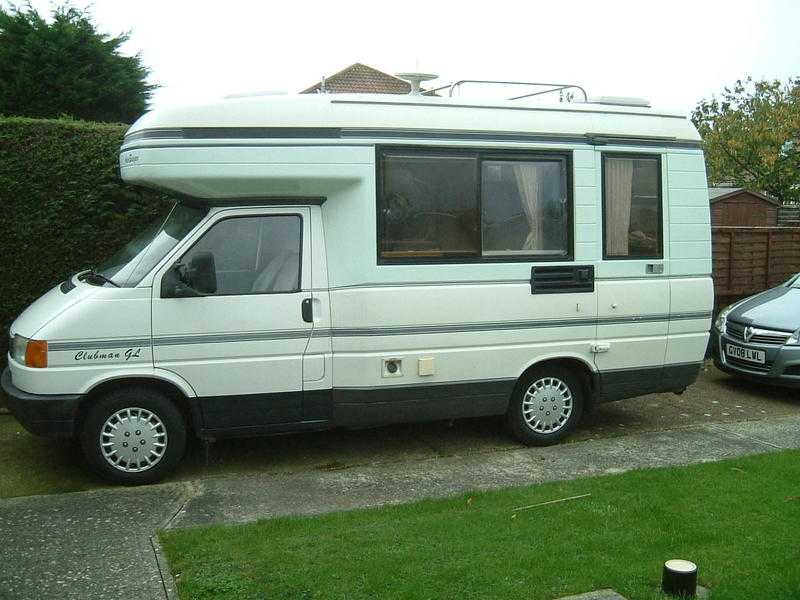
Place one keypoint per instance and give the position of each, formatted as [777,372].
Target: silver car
[759,337]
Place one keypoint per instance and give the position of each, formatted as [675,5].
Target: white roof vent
[415,79]
[621,101]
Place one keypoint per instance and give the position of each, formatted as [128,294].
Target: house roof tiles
[359,78]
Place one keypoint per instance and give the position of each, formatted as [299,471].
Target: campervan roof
[373,116]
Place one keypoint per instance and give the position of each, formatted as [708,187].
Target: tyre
[546,405]
[133,436]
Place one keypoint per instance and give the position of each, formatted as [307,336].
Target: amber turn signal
[36,354]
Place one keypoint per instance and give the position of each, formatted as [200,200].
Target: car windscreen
[128,266]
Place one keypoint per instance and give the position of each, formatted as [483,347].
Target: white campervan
[342,260]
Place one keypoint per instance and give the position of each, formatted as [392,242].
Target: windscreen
[128,266]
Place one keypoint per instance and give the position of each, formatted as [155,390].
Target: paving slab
[242,499]
[596,595]
[86,545]
[776,433]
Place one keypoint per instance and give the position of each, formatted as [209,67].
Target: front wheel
[133,436]
[546,406]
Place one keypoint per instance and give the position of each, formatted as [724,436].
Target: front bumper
[782,362]
[45,415]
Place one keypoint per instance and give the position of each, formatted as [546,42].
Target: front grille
[734,330]
[770,337]
[743,364]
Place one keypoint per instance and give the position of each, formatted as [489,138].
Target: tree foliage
[64,67]
[751,136]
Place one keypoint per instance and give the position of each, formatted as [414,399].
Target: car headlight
[794,339]
[31,353]
[18,346]
[722,318]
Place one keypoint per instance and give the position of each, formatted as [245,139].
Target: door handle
[307,310]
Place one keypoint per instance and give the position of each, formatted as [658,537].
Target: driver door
[241,347]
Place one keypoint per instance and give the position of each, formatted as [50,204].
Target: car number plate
[746,354]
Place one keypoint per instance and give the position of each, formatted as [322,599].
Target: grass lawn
[31,465]
[738,519]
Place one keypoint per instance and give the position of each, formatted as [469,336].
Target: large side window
[253,255]
[632,206]
[464,206]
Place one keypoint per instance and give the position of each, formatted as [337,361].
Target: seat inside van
[279,275]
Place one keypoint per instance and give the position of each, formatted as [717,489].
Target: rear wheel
[133,436]
[546,406]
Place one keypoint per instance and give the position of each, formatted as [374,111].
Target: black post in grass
[679,578]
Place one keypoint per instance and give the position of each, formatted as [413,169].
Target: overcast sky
[673,53]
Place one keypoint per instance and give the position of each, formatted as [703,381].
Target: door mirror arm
[177,282]
[182,271]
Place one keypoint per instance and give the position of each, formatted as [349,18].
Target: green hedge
[63,205]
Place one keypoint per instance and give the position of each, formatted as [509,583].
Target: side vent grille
[571,279]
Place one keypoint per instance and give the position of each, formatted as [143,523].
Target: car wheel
[133,436]
[546,406]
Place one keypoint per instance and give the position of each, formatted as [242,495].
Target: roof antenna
[415,79]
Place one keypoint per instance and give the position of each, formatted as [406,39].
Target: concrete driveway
[99,544]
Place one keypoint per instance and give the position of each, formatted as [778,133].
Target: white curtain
[619,192]
[529,178]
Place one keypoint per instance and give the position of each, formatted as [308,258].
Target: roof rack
[551,87]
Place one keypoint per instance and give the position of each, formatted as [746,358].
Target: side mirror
[202,273]
[199,278]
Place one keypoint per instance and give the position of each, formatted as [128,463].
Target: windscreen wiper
[94,275]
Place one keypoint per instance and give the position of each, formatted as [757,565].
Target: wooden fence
[747,260]
[789,216]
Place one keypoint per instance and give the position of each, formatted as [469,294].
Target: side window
[472,205]
[429,206]
[253,255]
[632,207]
[524,207]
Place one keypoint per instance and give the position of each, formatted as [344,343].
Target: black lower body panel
[44,415]
[629,383]
[264,414]
[368,407]
[231,412]
[396,404]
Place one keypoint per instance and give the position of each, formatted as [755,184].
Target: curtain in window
[619,188]
[530,178]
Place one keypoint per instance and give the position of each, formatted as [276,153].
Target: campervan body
[338,260]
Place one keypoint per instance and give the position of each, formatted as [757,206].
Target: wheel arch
[175,390]
[577,364]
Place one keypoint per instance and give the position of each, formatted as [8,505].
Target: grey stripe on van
[343,332]
[216,338]
[472,282]
[383,134]
[98,344]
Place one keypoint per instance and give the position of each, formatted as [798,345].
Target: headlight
[722,317]
[18,346]
[794,340]
[31,353]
